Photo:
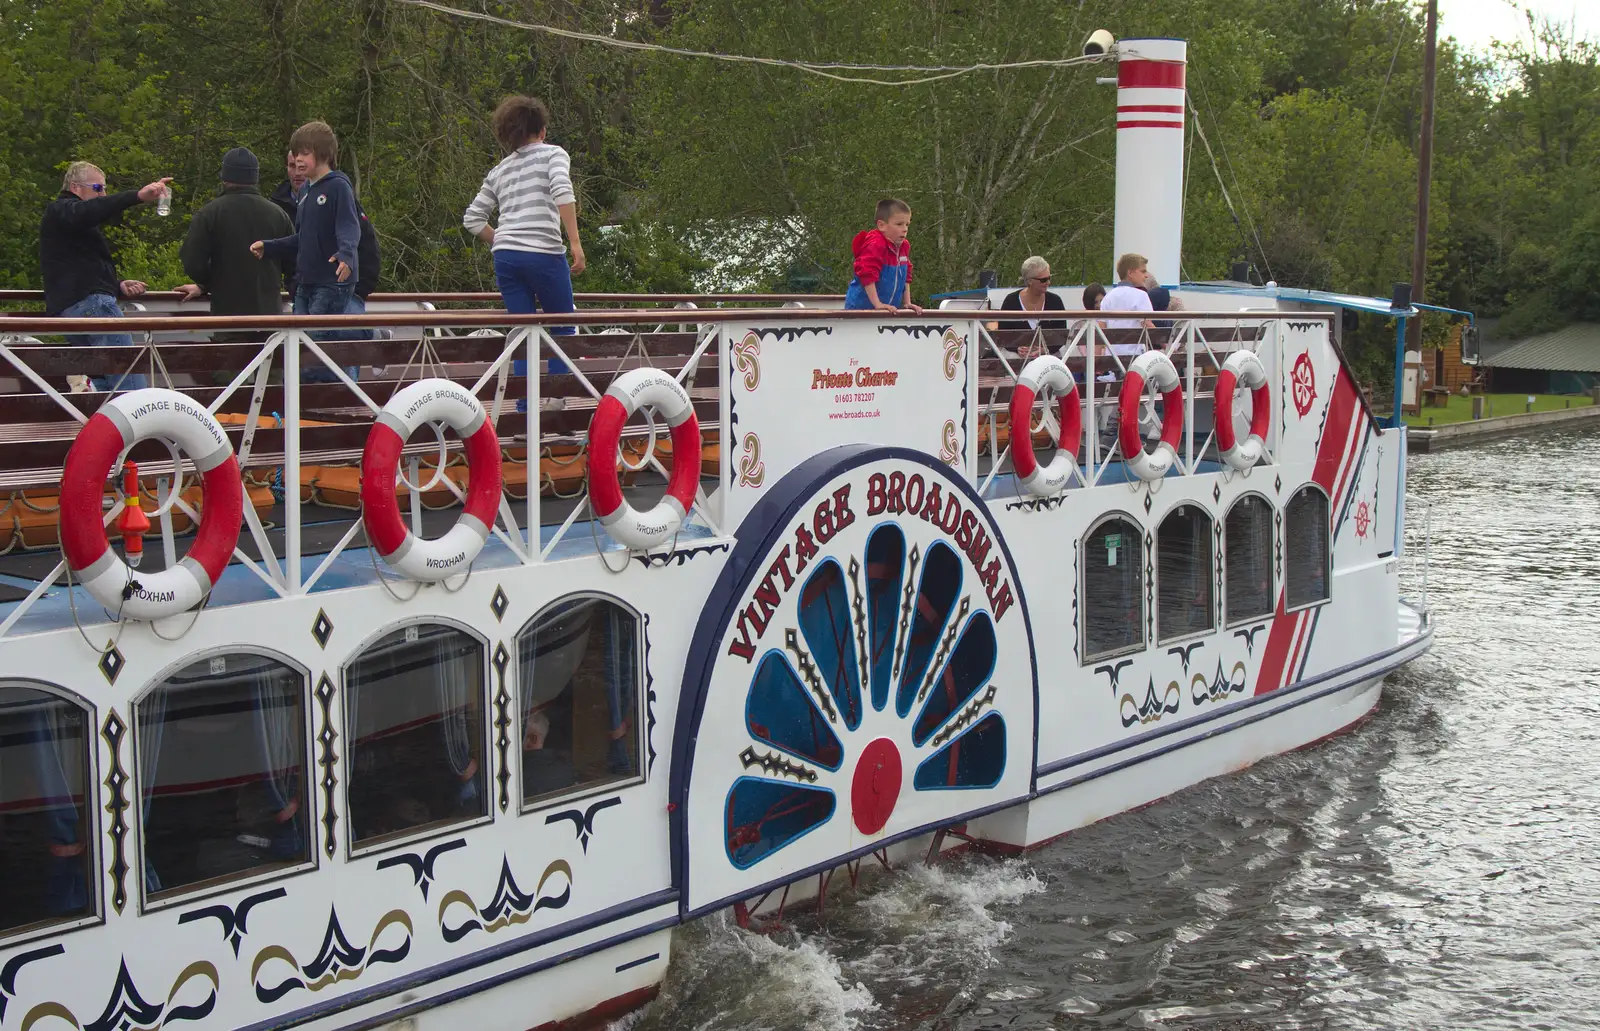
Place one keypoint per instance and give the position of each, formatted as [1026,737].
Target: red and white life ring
[1047,375]
[430,400]
[622,521]
[1156,369]
[1242,369]
[151,412]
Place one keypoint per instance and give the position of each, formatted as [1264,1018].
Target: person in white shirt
[532,188]
[1129,293]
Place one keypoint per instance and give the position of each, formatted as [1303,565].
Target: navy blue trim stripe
[641,961]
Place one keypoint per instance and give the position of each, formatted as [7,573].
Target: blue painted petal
[830,636]
[886,574]
[970,667]
[763,816]
[976,759]
[779,712]
[931,607]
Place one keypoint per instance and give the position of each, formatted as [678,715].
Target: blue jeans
[104,306]
[330,299]
[532,281]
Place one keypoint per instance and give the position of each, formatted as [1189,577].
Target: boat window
[1247,540]
[578,664]
[221,760]
[414,711]
[1305,548]
[46,818]
[1185,578]
[1113,589]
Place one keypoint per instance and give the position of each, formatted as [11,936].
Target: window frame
[641,744]
[1083,589]
[1211,574]
[218,886]
[1229,622]
[1327,551]
[93,803]
[427,832]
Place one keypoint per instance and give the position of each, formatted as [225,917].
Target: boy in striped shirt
[532,188]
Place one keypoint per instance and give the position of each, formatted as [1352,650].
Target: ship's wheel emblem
[1363,519]
[1303,383]
[884,692]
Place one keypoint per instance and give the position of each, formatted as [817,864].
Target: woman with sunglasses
[1035,295]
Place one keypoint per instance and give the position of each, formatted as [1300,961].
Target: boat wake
[901,949]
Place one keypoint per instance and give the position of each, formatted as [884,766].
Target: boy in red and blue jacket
[883,262]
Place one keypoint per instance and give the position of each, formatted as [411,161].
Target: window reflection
[1113,589]
[1248,542]
[1186,579]
[1305,546]
[578,666]
[414,703]
[221,772]
[46,822]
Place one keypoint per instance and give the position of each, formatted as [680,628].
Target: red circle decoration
[875,788]
[1304,383]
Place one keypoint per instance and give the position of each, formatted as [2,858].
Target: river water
[1436,867]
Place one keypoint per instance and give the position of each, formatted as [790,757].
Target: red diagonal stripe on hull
[1332,451]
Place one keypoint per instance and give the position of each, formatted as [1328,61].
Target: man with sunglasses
[80,275]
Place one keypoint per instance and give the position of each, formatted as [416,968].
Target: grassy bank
[1460,408]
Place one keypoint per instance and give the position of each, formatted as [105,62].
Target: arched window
[1113,588]
[222,781]
[1305,548]
[578,667]
[47,810]
[1247,544]
[414,704]
[1185,578]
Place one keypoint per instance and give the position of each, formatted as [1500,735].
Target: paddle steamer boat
[440,697]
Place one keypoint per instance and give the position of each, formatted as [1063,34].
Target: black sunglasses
[1041,279]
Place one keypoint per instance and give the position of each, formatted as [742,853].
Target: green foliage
[718,176]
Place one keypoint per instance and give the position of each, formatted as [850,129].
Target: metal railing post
[291,458]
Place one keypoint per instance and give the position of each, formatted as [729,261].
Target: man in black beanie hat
[216,253]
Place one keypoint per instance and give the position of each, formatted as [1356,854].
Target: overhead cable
[825,69]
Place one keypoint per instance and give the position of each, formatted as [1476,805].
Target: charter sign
[796,390]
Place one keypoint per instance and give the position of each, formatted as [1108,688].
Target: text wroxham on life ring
[1049,376]
[1242,369]
[626,524]
[1156,369]
[149,413]
[430,400]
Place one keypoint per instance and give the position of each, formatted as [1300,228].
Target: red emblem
[1304,381]
[1363,519]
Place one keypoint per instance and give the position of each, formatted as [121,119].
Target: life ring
[1243,368]
[1049,375]
[1156,369]
[123,421]
[430,400]
[626,524]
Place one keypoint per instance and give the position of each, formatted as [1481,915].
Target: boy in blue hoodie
[882,262]
[327,236]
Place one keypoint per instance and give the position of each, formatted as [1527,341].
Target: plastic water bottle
[164,202]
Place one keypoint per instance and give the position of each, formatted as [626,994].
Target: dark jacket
[367,251]
[74,257]
[216,253]
[328,226]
